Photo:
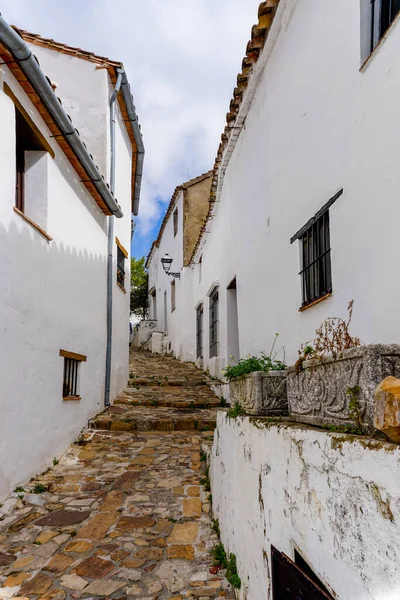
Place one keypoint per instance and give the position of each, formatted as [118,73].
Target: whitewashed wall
[316,124]
[52,297]
[334,498]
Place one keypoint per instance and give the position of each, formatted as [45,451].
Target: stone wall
[335,498]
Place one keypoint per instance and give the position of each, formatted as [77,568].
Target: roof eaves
[259,35]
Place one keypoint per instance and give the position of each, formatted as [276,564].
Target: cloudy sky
[182,58]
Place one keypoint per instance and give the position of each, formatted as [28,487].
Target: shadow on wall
[51,297]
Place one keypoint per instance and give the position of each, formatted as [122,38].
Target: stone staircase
[163,394]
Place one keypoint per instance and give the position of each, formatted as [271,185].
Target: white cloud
[182,57]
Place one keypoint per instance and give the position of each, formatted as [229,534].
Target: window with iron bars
[199,331]
[316,259]
[316,272]
[175,222]
[376,18]
[120,267]
[214,323]
[70,378]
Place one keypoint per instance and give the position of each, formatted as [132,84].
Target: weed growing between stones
[205,481]
[220,559]
[215,527]
[19,490]
[223,403]
[235,411]
[203,456]
[39,488]
[55,462]
[354,404]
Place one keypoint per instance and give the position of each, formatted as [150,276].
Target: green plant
[219,555]
[191,405]
[55,461]
[203,456]
[215,527]
[19,489]
[354,404]
[235,411]
[205,481]
[39,488]
[223,403]
[250,364]
[231,573]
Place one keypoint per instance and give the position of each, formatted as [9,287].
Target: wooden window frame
[214,322]
[121,272]
[72,362]
[199,330]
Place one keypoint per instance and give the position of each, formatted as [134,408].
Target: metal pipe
[30,66]
[110,245]
[130,107]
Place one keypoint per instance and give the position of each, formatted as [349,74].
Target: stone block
[387,408]
[260,393]
[339,390]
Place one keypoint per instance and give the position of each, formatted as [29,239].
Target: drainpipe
[30,66]
[110,244]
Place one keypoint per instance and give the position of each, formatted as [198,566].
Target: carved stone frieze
[261,393]
[340,390]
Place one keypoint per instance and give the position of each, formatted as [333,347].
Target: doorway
[165,313]
[233,348]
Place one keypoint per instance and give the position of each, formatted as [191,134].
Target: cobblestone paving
[123,515]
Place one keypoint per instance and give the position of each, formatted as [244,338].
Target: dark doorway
[291,582]
[233,349]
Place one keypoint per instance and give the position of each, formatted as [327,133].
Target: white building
[55,209]
[306,171]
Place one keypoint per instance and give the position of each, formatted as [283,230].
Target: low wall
[333,497]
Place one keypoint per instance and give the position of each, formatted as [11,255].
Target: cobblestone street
[123,514]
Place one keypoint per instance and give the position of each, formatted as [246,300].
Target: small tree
[139,294]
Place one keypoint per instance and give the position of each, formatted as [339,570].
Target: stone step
[186,397]
[130,400]
[164,382]
[124,418]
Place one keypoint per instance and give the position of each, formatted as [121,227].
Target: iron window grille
[214,323]
[291,582]
[316,271]
[120,267]
[175,222]
[199,331]
[383,13]
[70,378]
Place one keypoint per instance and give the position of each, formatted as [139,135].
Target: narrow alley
[124,513]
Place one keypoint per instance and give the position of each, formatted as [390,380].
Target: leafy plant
[215,527]
[39,488]
[203,456]
[250,364]
[219,555]
[55,461]
[19,490]
[139,293]
[223,403]
[235,411]
[231,573]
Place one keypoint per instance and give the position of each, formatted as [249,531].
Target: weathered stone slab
[340,391]
[6,559]
[94,567]
[260,393]
[97,527]
[132,523]
[387,408]
[63,518]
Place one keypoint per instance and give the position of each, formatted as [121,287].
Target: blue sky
[182,58]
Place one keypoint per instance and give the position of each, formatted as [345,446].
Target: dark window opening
[70,378]
[26,140]
[175,222]
[172,296]
[305,567]
[389,11]
[199,331]
[290,582]
[214,324]
[120,267]
[316,257]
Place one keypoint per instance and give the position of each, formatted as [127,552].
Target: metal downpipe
[110,245]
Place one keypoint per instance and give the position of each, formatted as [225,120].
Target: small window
[172,296]
[122,254]
[200,268]
[71,375]
[26,141]
[175,222]
[199,331]
[376,18]
[316,273]
[214,298]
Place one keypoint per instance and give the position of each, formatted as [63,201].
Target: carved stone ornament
[340,390]
[260,393]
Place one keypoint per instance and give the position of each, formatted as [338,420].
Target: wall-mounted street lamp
[166,262]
